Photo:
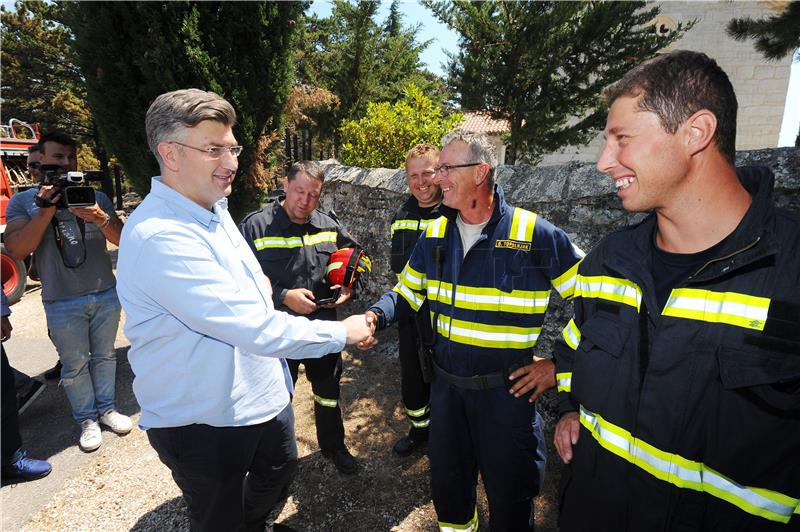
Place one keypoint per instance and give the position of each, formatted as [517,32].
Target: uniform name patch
[513,244]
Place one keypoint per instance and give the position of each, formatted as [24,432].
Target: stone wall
[575,197]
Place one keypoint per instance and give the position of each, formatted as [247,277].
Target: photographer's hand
[50,195]
[109,225]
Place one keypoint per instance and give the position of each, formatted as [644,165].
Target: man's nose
[607,159]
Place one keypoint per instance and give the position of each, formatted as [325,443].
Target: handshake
[361,330]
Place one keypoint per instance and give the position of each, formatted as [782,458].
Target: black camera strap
[69,254]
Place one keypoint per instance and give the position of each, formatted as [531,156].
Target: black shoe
[280,527]
[34,390]
[406,445]
[343,461]
[54,372]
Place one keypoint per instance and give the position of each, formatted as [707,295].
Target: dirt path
[123,485]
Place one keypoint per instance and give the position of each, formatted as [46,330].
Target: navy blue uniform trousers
[493,432]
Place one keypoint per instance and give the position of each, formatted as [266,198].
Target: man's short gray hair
[481,149]
[173,112]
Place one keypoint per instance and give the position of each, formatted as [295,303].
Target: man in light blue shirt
[207,345]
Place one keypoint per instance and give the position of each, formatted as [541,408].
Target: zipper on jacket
[726,257]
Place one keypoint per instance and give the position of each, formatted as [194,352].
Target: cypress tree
[240,50]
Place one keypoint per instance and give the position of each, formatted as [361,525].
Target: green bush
[383,137]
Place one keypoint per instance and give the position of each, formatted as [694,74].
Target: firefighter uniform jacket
[690,413]
[408,223]
[490,306]
[294,255]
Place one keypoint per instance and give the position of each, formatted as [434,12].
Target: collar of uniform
[192,209]
[280,216]
[411,206]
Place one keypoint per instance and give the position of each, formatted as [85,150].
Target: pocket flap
[606,332]
[739,368]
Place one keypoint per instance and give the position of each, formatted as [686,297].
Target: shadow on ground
[47,427]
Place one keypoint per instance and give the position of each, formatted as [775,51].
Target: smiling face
[460,185]
[647,164]
[420,173]
[62,155]
[302,197]
[199,177]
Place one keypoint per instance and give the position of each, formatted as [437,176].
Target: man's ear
[701,128]
[482,173]
[169,153]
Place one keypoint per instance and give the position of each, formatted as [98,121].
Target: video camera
[69,185]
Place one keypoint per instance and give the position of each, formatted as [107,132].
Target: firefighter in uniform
[410,220]
[486,269]
[679,375]
[293,242]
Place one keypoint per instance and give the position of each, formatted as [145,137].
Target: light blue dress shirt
[206,341]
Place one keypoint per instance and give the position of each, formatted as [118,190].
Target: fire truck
[15,139]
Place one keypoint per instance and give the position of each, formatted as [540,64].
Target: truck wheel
[14,276]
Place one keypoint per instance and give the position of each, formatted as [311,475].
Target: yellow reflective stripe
[419,424]
[333,266]
[491,299]
[522,225]
[413,298]
[423,224]
[330,403]
[565,283]
[412,278]
[571,334]
[407,225]
[436,228]
[493,336]
[731,308]
[688,474]
[294,241]
[471,526]
[564,381]
[609,288]
[418,413]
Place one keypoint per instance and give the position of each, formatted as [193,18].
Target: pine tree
[776,36]
[240,50]
[542,65]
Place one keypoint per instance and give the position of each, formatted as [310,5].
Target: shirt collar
[178,200]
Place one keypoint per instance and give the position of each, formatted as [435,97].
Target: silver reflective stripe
[685,473]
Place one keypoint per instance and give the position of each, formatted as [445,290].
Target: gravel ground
[125,487]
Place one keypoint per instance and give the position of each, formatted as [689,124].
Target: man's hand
[5,330]
[538,376]
[51,195]
[359,328]
[567,432]
[300,300]
[372,321]
[93,214]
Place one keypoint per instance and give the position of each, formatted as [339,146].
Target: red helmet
[346,265]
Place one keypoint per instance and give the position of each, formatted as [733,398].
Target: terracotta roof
[482,122]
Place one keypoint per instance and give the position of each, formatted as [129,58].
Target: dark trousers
[414,390]
[324,375]
[488,431]
[232,478]
[9,432]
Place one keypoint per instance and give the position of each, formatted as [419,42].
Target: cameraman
[78,286]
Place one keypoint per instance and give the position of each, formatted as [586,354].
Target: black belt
[480,382]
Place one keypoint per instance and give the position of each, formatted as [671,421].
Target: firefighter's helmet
[346,265]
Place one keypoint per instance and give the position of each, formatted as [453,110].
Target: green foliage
[359,61]
[240,50]
[776,36]
[386,133]
[543,65]
[41,81]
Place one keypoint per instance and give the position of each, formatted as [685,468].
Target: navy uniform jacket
[690,413]
[295,255]
[489,305]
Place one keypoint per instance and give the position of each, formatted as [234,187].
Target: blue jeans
[83,329]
